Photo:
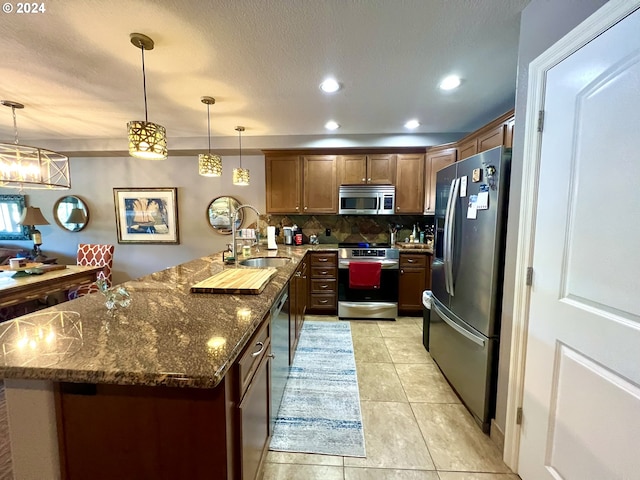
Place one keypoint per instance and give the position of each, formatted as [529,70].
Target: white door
[581,401]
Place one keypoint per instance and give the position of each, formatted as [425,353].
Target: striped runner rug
[320,410]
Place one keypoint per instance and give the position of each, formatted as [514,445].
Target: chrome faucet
[234,229]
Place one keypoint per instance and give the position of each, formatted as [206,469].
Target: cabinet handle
[271,355]
[261,345]
[401,272]
[410,260]
[369,180]
[323,301]
[298,274]
[305,208]
[364,180]
[297,208]
[323,259]
[397,209]
[324,286]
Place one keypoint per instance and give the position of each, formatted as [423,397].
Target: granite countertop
[166,336]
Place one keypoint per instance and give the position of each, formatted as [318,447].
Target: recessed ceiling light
[411,124]
[331,125]
[450,82]
[330,85]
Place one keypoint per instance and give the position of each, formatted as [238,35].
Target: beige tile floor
[414,425]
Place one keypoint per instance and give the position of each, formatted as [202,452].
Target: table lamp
[32,217]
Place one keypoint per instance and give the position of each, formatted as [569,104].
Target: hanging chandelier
[240,175]
[147,140]
[209,165]
[31,167]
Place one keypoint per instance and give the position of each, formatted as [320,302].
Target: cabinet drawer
[322,302]
[413,260]
[324,272]
[322,285]
[253,353]
[324,259]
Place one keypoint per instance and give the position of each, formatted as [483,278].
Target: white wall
[542,23]
[93,179]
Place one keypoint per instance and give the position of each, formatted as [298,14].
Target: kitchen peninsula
[153,390]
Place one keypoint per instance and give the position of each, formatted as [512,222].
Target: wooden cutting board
[236,280]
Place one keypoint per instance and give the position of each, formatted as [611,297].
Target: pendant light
[240,175]
[31,167]
[209,165]
[147,140]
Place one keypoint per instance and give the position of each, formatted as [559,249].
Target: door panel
[581,402]
[443,189]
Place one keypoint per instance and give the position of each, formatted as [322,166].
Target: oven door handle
[386,264]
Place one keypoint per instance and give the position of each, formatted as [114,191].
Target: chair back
[96,255]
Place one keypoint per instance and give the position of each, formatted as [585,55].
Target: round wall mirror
[219,214]
[71,213]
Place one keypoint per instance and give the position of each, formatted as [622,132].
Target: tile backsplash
[350,228]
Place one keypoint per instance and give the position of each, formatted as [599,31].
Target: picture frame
[147,215]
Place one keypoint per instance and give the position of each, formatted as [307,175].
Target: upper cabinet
[436,159]
[301,184]
[284,183]
[320,190]
[367,169]
[496,133]
[409,183]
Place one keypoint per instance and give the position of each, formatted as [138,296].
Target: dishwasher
[279,351]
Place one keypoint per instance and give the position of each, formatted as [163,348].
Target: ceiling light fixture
[209,165]
[330,85]
[331,125]
[147,140]
[411,124]
[240,175]
[31,167]
[450,82]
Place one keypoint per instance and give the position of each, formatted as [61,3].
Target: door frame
[604,18]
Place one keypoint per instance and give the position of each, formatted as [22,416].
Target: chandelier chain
[209,127]
[144,85]
[15,123]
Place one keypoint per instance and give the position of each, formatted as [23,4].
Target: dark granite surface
[166,336]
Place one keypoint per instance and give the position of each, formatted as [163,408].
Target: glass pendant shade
[209,165]
[241,176]
[31,167]
[147,140]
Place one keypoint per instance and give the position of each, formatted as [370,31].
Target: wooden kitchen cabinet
[495,133]
[320,191]
[170,432]
[284,183]
[297,305]
[410,183]
[436,159]
[414,278]
[378,169]
[323,283]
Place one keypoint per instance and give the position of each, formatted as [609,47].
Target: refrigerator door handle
[449,264]
[446,244]
[465,333]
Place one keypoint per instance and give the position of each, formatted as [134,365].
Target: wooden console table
[14,291]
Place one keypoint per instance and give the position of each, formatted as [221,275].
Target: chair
[91,254]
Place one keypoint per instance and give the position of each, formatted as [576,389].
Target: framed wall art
[146,215]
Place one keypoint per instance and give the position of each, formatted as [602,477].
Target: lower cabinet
[298,288]
[135,431]
[323,283]
[414,278]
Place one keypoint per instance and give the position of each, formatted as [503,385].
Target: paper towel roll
[271,238]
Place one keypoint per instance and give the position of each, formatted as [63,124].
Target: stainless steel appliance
[279,351]
[381,303]
[467,275]
[367,199]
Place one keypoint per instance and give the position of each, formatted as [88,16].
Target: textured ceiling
[80,78]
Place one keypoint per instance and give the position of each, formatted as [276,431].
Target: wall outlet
[327,232]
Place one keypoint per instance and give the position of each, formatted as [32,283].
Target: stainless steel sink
[263,262]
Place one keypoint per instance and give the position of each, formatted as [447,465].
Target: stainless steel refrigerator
[467,276]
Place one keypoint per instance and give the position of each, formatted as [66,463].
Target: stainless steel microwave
[367,199]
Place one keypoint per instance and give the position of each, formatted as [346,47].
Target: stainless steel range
[364,303]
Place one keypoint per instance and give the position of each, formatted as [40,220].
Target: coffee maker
[288,235]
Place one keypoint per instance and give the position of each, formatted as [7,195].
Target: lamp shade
[241,176]
[209,165]
[33,216]
[147,140]
[77,215]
